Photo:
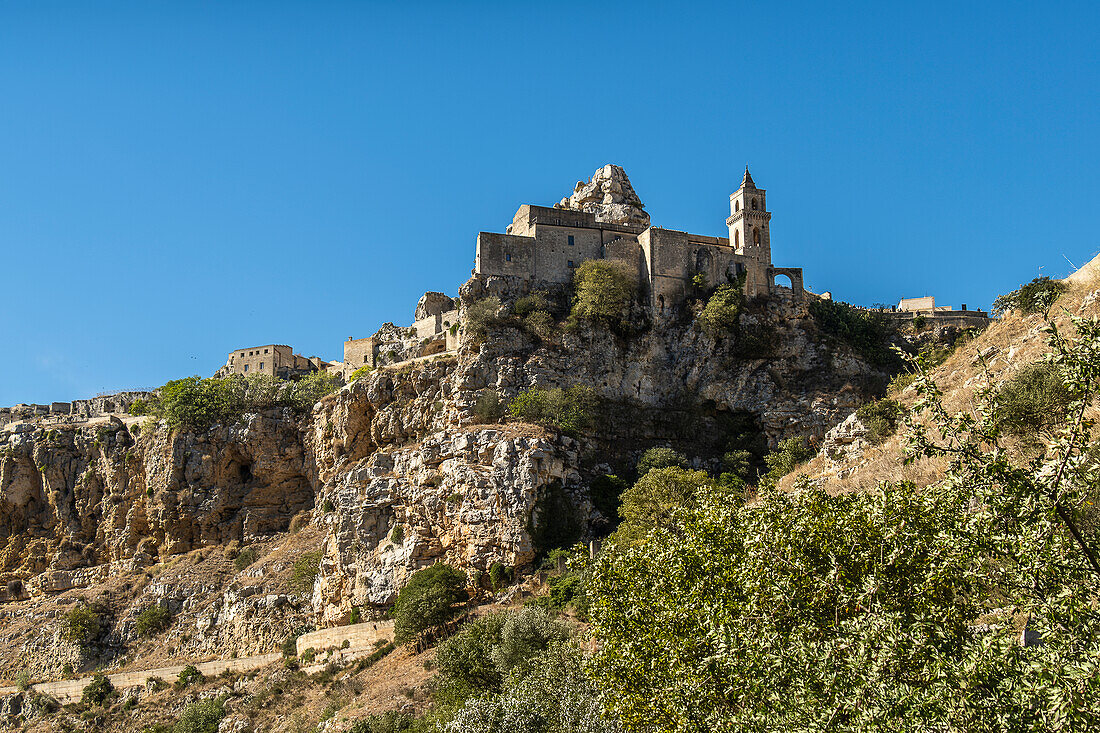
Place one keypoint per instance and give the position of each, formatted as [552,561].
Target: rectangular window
[261,365]
[246,367]
[571,263]
[508,257]
[365,358]
[265,351]
[571,240]
[242,354]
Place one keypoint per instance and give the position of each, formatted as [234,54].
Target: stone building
[434,330]
[275,360]
[605,219]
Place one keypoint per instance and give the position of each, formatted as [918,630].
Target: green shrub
[719,316]
[244,558]
[305,393]
[85,623]
[305,571]
[388,722]
[482,316]
[529,304]
[1036,296]
[660,457]
[540,324]
[308,655]
[98,690]
[602,292]
[466,659]
[500,575]
[1034,400]
[655,497]
[139,407]
[189,675]
[397,534]
[202,716]
[571,410]
[899,382]
[489,408]
[361,372]
[152,620]
[785,458]
[868,332]
[737,463]
[428,600]
[880,418]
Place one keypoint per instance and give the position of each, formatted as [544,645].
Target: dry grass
[995,355]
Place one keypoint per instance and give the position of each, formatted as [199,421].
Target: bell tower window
[736,206]
[754,204]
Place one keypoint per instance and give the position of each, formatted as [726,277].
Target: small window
[261,366]
[571,263]
[242,354]
[246,367]
[571,242]
[736,205]
[365,358]
[754,204]
[265,351]
[507,256]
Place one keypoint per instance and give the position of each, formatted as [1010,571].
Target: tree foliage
[720,314]
[428,600]
[660,457]
[868,332]
[98,690]
[194,403]
[890,610]
[881,419]
[654,499]
[602,292]
[572,410]
[1033,400]
[1036,296]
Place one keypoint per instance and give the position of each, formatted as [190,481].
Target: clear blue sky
[180,179]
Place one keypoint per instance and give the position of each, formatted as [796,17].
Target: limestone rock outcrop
[609,195]
[431,304]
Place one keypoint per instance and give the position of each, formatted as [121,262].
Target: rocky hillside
[251,530]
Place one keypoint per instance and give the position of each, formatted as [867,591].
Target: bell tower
[749,233]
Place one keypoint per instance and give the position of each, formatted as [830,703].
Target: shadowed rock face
[609,195]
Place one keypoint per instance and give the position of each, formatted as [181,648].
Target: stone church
[605,219]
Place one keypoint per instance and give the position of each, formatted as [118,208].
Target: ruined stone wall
[268,359]
[359,353]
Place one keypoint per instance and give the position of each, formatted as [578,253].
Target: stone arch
[756,236]
[793,274]
[736,206]
[702,260]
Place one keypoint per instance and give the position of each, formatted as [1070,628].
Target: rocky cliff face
[388,475]
[609,195]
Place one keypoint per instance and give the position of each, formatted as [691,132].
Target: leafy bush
[194,403]
[23,680]
[98,690]
[189,675]
[305,570]
[868,332]
[785,458]
[500,575]
[571,410]
[540,323]
[388,722]
[723,308]
[489,408]
[737,463]
[878,592]
[361,372]
[660,457]
[85,623]
[653,500]
[1036,296]
[244,558]
[529,304]
[428,600]
[152,620]
[303,394]
[555,696]
[880,418]
[202,716]
[139,407]
[1034,400]
[397,534]
[602,292]
[481,317]
[466,659]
